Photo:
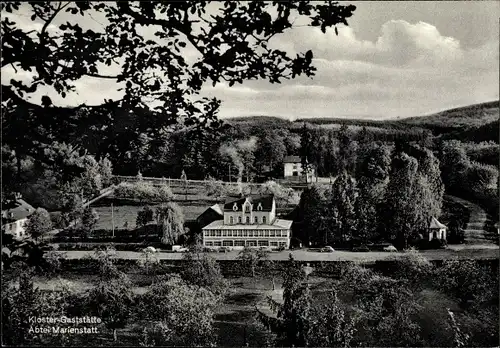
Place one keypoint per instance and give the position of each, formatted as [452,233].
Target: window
[227,243]
[263,243]
[224,233]
[209,244]
[284,233]
[240,233]
[231,220]
[283,244]
[261,233]
[239,219]
[251,243]
[295,173]
[218,233]
[263,219]
[266,233]
[247,208]
[218,243]
[248,219]
[272,233]
[255,220]
[245,233]
[273,244]
[239,243]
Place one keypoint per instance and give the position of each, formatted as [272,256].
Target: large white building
[293,170]
[248,221]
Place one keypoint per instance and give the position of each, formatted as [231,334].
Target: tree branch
[102,76]
[140,19]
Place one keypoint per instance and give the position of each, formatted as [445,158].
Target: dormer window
[256,219]
[248,207]
[239,219]
[235,207]
[259,206]
[248,219]
[231,220]
[263,219]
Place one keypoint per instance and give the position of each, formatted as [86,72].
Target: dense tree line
[389,194]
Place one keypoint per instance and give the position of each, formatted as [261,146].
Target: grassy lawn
[126,214]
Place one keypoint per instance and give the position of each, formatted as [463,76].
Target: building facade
[248,221]
[292,166]
[436,230]
[15,217]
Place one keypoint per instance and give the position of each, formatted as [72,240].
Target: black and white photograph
[250,173]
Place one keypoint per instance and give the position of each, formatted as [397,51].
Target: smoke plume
[239,152]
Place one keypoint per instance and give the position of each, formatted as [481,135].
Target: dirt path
[475,232]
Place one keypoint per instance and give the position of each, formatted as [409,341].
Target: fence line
[181,182]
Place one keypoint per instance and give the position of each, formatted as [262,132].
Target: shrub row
[144,191]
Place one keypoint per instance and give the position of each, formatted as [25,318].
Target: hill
[475,115]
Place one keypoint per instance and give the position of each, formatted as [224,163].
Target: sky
[395,59]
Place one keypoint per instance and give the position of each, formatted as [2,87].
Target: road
[475,232]
[454,252]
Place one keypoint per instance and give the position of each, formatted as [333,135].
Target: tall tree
[402,202]
[39,223]
[170,220]
[313,216]
[305,148]
[184,312]
[347,150]
[373,176]
[202,270]
[342,206]
[294,312]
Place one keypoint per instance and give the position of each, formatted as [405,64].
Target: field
[126,214]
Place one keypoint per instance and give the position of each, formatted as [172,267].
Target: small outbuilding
[436,230]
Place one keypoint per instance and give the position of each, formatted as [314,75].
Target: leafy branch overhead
[230,40]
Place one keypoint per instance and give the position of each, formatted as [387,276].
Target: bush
[144,191]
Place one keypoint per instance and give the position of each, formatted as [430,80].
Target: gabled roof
[217,208]
[435,224]
[292,159]
[18,211]
[266,201]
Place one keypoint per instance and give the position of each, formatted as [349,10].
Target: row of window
[242,243]
[14,225]
[246,233]
[247,220]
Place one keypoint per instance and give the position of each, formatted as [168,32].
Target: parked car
[390,248]
[327,249]
[179,249]
[361,248]
[149,249]
[281,248]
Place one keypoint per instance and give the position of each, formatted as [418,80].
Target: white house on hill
[248,221]
[15,217]
[293,169]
